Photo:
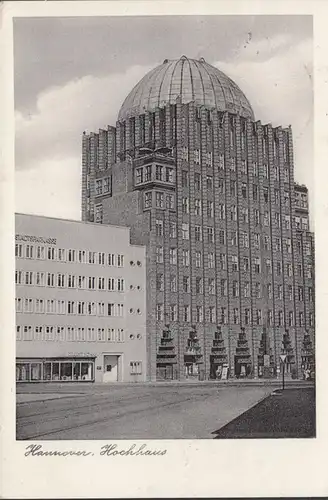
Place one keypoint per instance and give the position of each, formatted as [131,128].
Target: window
[235,315]
[169,175]
[233,164]
[40,252]
[210,234]
[244,215]
[29,278]
[197,156]
[199,314]
[135,367]
[50,253]
[301,318]
[159,197]
[120,260]
[257,265]
[148,199]
[120,310]
[290,318]
[255,192]
[244,190]
[173,312]
[233,212]
[185,258]
[266,218]
[234,263]
[266,194]
[247,289]
[268,265]
[70,307]
[186,313]
[280,318]
[198,259]
[81,307]
[211,260]
[221,162]
[186,284]
[288,245]
[71,255]
[185,205]
[255,169]
[257,240]
[106,184]
[224,287]
[198,207]
[287,221]
[211,314]
[197,181]
[290,292]
[246,264]
[276,196]
[310,294]
[184,178]
[173,283]
[159,227]
[71,281]
[211,286]
[266,242]
[199,285]
[101,258]
[185,231]
[311,319]
[60,280]
[234,238]
[120,284]
[259,317]
[198,233]
[28,306]
[50,279]
[222,237]
[224,316]
[270,318]
[29,251]
[247,316]
[19,305]
[222,261]
[244,167]
[300,294]
[173,255]
[209,182]
[159,173]
[266,171]
[159,255]
[111,284]
[221,211]
[172,230]
[98,187]
[18,277]
[40,279]
[19,250]
[235,289]
[159,312]
[233,188]
[269,290]
[91,283]
[148,173]
[244,239]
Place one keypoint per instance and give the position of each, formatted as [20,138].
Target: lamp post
[283,358]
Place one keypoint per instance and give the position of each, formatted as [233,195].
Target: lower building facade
[80,302]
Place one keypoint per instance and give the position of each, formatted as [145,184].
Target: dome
[192,81]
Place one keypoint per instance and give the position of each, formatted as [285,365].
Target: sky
[73,74]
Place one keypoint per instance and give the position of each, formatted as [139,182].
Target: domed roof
[189,79]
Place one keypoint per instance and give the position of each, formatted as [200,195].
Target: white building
[80,302]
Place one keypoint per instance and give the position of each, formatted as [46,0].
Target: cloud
[275,74]
[54,130]
[280,90]
[51,188]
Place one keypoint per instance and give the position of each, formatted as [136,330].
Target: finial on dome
[165,61]
[202,59]
[183,57]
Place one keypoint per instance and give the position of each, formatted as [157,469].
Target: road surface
[130,412]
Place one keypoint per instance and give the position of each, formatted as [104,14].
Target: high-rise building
[211,193]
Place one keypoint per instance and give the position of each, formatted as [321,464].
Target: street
[71,411]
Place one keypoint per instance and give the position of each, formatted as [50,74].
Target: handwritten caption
[108,450]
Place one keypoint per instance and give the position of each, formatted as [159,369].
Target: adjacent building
[210,191]
[80,302]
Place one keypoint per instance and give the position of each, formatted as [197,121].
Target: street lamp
[283,357]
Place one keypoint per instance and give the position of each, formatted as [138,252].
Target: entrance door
[110,373]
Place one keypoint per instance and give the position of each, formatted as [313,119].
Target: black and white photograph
[164,238]
[162,257]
